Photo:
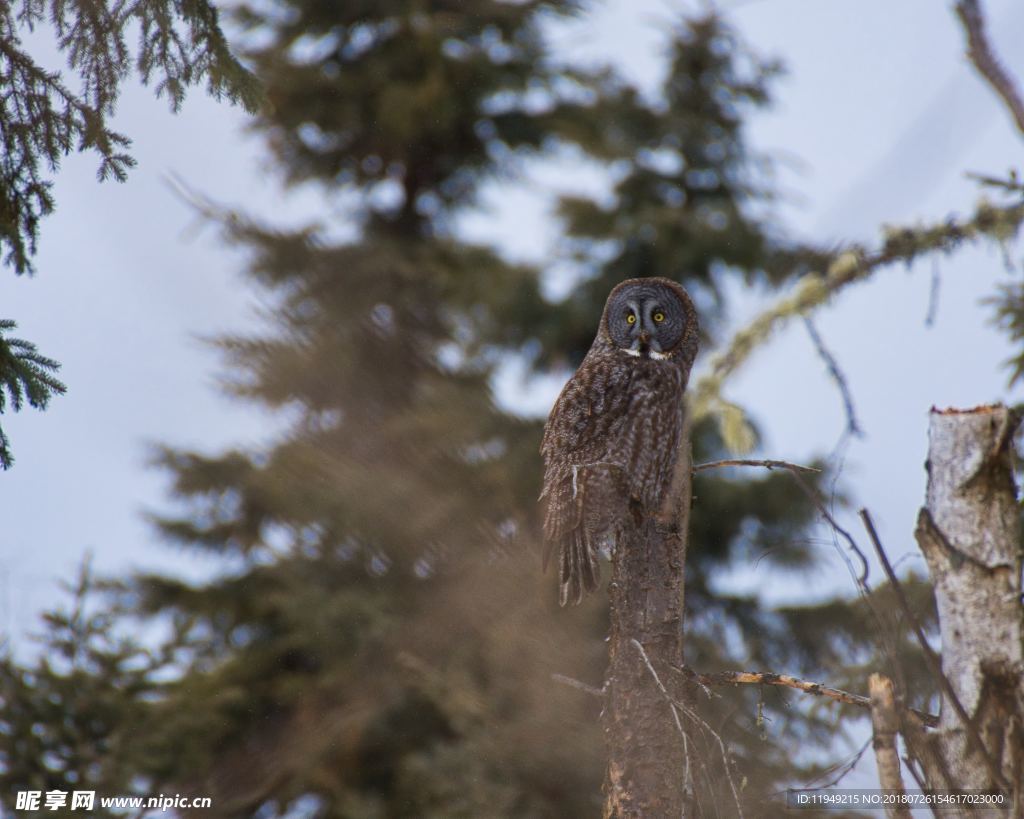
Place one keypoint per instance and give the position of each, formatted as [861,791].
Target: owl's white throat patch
[652,354]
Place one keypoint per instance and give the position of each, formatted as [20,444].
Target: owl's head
[651,318]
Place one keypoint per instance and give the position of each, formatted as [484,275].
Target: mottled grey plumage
[613,437]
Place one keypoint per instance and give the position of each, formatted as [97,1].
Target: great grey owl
[613,437]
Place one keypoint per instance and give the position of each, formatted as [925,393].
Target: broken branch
[767,464]
[885,723]
[784,680]
[933,661]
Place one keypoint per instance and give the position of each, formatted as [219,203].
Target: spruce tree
[78,719]
[389,589]
[379,640]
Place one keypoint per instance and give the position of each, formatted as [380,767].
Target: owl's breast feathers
[612,437]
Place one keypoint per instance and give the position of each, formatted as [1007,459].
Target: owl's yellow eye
[658,317]
[631,319]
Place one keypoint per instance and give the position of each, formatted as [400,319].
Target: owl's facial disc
[646,321]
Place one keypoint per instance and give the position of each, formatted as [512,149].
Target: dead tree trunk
[970,535]
[646,774]
[885,722]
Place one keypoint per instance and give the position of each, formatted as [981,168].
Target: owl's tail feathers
[579,568]
[566,529]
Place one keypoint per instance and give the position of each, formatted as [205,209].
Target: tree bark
[647,772]
[970,535]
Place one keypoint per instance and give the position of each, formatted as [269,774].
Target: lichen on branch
[851,265]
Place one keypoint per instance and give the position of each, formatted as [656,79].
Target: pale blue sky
[878,117]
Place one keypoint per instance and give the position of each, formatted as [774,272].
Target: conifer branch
[856,264]
[43,120]
[26,376]
[1012,184]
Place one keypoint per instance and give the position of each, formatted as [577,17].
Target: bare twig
[933,661]
[661,687]
[577,684]
[688,788]
[816,499]
[852,427]
[767,464]
[678,707]
[1012,184]
[726,759]
[795,470]
[839,771]
[784,680]
[980,52]
[812,494]
[933,295]
[911,766]
[885,723]
[861,580]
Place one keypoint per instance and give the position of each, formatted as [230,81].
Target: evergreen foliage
[26,376]
[1009,298]
[79,718]
[378,640]
[43,119]
[383,618]
[1009,303]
